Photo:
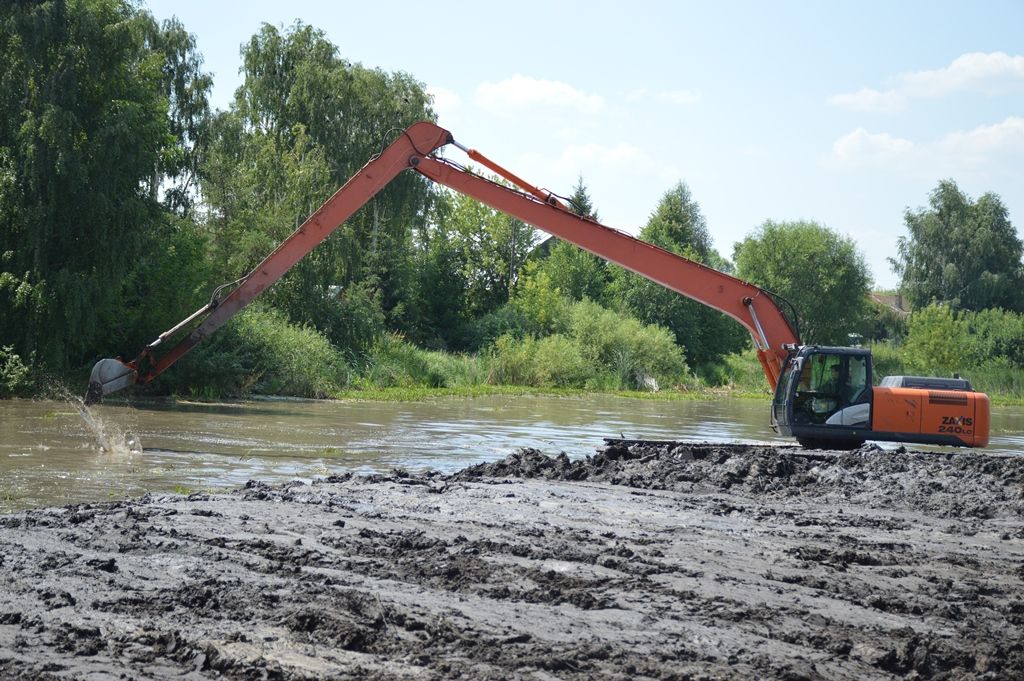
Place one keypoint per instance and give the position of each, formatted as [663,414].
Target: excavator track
[703,450]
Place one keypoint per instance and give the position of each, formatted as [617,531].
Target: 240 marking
[960,425]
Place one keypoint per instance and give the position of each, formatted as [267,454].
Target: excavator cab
[824,396]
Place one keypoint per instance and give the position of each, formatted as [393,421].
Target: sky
[845,113]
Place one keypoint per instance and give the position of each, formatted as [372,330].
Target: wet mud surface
[646,562]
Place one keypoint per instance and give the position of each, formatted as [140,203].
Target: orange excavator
[825,397]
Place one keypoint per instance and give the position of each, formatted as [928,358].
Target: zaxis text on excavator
[825,397]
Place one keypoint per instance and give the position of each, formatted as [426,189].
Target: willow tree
[302,122]
[960,252]
[186,87]
[83,124]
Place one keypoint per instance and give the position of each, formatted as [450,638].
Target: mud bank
[670,562]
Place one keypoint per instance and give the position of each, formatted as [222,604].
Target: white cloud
[983,148]
[520,93]
[992,73]
[680,96]
[987,72]
[862,147]
[985,143]
[446,101]
[870,100]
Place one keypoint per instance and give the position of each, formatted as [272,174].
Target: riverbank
[697,392]
[418,393]
[697,561]
[739,376]
[406,373]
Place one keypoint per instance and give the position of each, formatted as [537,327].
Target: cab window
[823,375]
[829,383]
[857,388]
[783,387]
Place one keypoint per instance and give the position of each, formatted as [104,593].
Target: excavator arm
[414,149]
[750,305]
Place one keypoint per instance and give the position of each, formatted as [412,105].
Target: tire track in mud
[672,562]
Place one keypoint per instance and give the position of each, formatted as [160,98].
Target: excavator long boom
[748,304]
[414,149]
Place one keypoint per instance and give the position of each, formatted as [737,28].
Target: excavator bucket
[108,376]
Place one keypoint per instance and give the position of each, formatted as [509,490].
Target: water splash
[110,437]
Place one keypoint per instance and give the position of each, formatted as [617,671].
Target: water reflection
[48,455]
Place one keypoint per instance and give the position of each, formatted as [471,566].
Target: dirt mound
[679,561]
[961,484]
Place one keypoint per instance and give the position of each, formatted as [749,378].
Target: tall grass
[1002,381]
[551,361]
[745,374]
[260,351]
[394,362]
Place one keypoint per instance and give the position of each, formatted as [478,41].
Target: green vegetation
[820,273]
[125,201]
[986,346]
[961,252]
[86,142]
[594,348]
[14,373]
[677,225]
[259,351]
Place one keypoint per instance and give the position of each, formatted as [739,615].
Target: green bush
[511,360]
[394,362]
[549,362]
[633,351]
[260,351]
[483,332]
[542,307]
[14,373]
[457,370]
[883,323]
[995,333]
[942,341]
[561,362]
[937,340]
[601,348]
[986,347]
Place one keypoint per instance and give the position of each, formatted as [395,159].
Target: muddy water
[51,453]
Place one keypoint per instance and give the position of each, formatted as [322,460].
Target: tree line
[125,200]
